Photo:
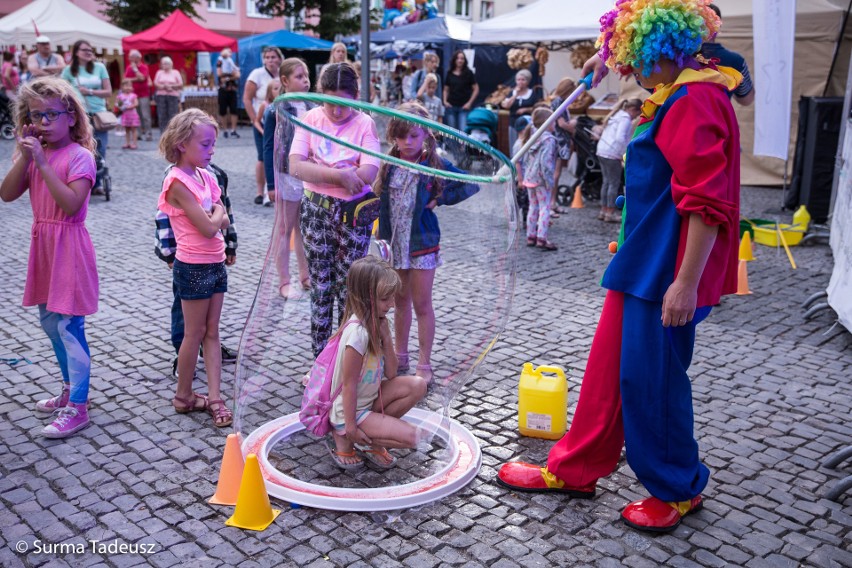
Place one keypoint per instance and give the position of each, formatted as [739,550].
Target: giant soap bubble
[472,296]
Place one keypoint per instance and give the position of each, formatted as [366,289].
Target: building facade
[479,10]
[235,18]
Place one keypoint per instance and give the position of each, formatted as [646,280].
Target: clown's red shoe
[520,476]
[656,515]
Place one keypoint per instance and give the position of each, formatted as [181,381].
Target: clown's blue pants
[635,393]
[68,337]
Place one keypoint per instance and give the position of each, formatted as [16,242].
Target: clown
[682,194]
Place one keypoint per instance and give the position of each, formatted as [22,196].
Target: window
[486,10]
[220,5]
[253,12]
[462,8]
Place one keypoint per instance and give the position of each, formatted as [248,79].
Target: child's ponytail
[539,117]
[623,105]
[398,128]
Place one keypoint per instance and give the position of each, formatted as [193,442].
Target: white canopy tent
[557,23]
[63,22]
[544,21]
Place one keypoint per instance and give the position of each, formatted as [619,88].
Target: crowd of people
[687,134]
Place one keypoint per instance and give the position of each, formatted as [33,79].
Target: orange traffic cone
[742,278]
[230,474]
[746,250]
[253,510]
[577,202]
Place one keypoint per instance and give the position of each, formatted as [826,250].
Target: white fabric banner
[840,286]
[774,35]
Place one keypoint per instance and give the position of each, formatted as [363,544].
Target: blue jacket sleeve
[455,191]
[269,122]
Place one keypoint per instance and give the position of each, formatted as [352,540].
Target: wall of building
[235,22]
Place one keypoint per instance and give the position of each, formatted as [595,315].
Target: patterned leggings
[68,337]
[538,218]
[330,248]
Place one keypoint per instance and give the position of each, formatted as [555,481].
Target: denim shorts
[199,281]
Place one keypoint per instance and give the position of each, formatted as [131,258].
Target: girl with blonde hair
[54,160]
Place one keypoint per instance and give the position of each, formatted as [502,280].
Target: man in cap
[44,62]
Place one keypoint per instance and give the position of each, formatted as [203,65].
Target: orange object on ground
[230,473]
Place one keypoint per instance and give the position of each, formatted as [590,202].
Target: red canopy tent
[180,38]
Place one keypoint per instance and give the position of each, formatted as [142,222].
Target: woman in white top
[253,96]
[618,129]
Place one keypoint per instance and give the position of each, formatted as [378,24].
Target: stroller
[588,172]
[482,127]
[7,121]
[103,175]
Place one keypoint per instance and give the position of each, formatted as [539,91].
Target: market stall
[64,23]
[179,37]
[546,22]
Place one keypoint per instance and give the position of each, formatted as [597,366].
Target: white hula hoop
[463,463]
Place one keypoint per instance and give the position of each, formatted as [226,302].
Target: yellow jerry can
[543,402]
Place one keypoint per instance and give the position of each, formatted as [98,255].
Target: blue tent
[250,47]
[446,33]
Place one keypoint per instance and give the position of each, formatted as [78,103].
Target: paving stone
[771,391]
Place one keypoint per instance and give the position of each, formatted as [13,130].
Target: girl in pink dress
[192,200]
[54,160]
[128,102]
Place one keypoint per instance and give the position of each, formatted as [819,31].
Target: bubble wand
[585,85]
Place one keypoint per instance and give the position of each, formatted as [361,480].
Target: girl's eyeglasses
[51,115]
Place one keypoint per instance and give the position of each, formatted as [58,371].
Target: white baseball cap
[42,39]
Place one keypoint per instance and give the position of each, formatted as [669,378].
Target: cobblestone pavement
[772,395]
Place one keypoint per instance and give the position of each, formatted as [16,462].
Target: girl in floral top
[407,221]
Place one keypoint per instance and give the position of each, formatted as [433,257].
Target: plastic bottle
[542,402]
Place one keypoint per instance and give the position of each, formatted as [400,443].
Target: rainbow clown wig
[637,34]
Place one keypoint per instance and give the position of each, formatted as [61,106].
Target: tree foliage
[338,17]
[138,15]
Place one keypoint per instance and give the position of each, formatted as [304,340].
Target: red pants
[592,446]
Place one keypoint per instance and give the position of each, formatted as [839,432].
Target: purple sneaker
[69,421]
[50,405]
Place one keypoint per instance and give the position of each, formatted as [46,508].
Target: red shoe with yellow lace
[656,515]
[520,476]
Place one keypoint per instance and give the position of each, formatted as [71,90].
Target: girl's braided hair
[399,128]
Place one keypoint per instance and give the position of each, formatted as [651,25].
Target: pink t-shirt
[172,78]
[192,246]
[359,130]
[62,271]
[10,84]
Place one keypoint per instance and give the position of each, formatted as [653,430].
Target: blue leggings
[68,337]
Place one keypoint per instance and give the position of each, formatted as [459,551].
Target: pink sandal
[222,416]
[191,405]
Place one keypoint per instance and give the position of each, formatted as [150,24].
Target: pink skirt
[130,118]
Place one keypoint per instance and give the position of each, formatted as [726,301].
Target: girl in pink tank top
[54,160]
[192,200]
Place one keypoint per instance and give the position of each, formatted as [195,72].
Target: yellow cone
[253,510]
[577,202]
[742,279]
[746,250]
[230,474]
